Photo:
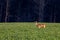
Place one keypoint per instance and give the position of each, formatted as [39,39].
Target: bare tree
[1,12]
[54,13]
[7,12]
[51,17]
[41,9]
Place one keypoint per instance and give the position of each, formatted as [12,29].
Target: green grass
[28,31]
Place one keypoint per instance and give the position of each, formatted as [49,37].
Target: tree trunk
[1,13]
[6,15]
[54,14]
[51,15]
[41,9]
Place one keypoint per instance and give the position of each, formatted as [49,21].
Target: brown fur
[40,25]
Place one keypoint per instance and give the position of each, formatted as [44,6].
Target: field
[28,31]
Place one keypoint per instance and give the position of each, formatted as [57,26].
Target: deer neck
[36,23]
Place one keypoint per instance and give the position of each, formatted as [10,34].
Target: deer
[40,25]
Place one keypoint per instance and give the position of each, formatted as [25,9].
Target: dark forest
[29,10]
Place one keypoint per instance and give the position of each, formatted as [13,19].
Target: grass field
[28,31]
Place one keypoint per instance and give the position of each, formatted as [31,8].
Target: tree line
[29,10]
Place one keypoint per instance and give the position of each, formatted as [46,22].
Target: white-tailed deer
[40,25]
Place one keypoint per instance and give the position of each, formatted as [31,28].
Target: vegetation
[29,31]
